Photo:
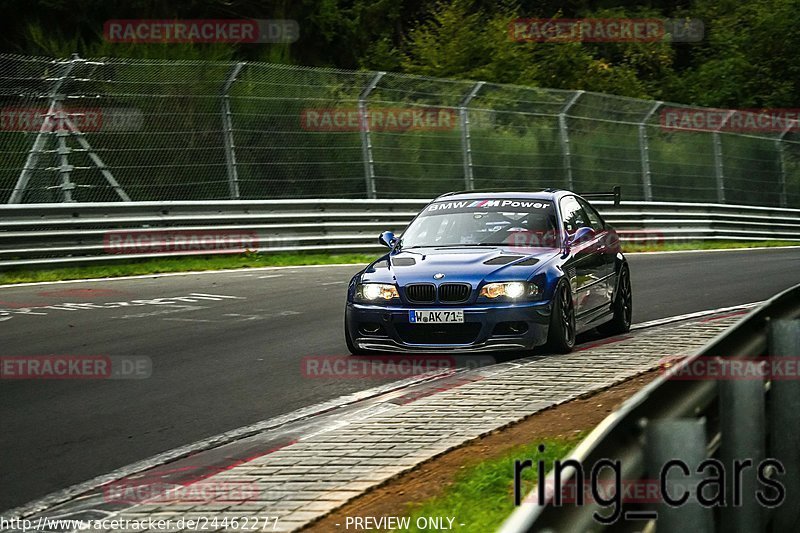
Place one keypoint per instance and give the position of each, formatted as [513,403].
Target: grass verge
[179,264]
[704,245]
[490,483]
[252,260]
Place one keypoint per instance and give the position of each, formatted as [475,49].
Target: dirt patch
[431,478]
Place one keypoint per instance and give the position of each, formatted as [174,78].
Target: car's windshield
[501,222]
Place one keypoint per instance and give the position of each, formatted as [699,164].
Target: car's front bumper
[485,328]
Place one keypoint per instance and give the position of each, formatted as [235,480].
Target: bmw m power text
[483,271]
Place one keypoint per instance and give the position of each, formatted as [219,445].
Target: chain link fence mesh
[101,130]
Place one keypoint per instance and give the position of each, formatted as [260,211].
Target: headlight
[510,289]
[373,292]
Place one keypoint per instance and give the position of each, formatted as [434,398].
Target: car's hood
[468,264]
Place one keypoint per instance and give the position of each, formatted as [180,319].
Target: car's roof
[544,194]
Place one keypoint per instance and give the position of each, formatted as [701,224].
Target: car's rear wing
[615,194]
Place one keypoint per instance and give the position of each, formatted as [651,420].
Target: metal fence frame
[637,120]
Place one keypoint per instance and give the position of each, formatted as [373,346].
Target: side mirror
[387,239]
[582,234]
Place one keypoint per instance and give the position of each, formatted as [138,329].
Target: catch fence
[97,130]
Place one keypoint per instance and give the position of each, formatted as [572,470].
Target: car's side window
[573,214]
[595,220]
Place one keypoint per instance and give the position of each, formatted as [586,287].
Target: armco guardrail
[48,234]
[744,412]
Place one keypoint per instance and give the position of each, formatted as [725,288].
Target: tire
[622,306]
[349,341]
[561,333]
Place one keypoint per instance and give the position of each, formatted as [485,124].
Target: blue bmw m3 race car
[492,271]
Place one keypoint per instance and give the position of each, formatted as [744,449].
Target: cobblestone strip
[305,481]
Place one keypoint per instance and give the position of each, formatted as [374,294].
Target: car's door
[605,248]
[584,266]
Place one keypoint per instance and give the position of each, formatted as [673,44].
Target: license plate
[436,317]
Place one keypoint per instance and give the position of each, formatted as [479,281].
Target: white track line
[697,314]
[172,274]
[712,250]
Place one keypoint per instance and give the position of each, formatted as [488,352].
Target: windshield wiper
[466,245]
[455,245]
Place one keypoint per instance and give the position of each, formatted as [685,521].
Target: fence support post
[41,137]
[743,429]
[718,164]
[64,168]
[784,419]
[366,139]
[783,200]
[99,163]
[227,133]
[466,144]
[644,150]
[683,440]
[564,136]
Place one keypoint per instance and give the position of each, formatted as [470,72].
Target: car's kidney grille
[421,293]
[454,292]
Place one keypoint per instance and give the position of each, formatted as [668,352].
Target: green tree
[463,42]
[748,58]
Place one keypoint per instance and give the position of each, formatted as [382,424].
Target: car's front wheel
[561,333]
[622,306]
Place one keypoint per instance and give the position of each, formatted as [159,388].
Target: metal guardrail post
[683,440]
[783,200]
[743,432]
[784,421]
[227,133]
[644,150]
[718,163]
[564,137]
[366,140]
[41,137]
[466,145]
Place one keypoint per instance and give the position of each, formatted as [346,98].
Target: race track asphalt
[233,359]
